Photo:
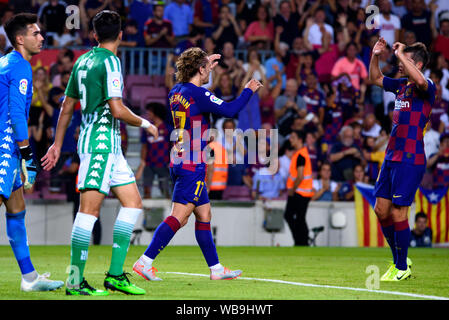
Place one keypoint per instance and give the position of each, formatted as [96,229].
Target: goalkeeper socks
[17,235]
[387,227]
[123,230]
[204,238]
[81,233]
[402,231]
[162,236]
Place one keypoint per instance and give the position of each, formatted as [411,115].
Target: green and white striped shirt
[96,78]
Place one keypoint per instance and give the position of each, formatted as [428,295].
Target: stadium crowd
[315,81]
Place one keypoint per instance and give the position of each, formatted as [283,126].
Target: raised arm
[375,74]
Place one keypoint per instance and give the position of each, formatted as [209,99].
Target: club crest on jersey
[23,85]
[216,100]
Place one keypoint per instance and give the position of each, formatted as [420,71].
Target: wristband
[145,124]
[26,152]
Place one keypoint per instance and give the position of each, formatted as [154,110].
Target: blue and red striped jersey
[190,108]
[410,116]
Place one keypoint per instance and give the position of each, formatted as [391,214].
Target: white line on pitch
[397,293]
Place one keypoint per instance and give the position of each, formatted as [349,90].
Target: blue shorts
[398,182]
[10,178]
[189,186]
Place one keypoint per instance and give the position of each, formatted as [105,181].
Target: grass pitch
[292,269]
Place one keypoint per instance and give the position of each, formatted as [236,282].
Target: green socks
[123,230]
[81,232]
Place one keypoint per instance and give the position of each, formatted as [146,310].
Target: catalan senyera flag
[369,232]
[435,203]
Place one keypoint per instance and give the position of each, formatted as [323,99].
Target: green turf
[343,267]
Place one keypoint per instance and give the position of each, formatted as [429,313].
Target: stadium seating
[240,193]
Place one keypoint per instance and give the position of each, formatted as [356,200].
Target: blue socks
[204,238]
[162,236]
[387,226]
[17,235]
[402,231]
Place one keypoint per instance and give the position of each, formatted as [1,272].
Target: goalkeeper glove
[29,166]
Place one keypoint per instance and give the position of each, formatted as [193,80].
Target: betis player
[190,106]
[405,161]
[96,81]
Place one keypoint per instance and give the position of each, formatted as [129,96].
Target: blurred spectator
[370,127]
[158,32]
[66,38]
[235,150]
[227,30]
[287,106]
[409,38]
[431,140]
[329,52]
[421,235]
[346,192]
[155,153]
[344,155]
[131,36]
[313,97]
[254,65]
[441,42]
[260,33]
[217,171]
[255,159]
[295,57]
[288,21]
[438,163]
[318,28]
[324,188]
[63,61]
[354,68]
[314,153]
[140,11]
[52,17]
[247,9]
[267,185]
[6,15]
[280,53]
[181,16]
[418,20]
[65,65]
[267,100]
[209,45]
[3,48]
[305,67]
[389,24]
[234,65]
[41,89]
[206,15]
[94,6]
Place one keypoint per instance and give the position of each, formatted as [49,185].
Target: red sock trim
[173,223]
[204,226]
[386,222]
[401,225]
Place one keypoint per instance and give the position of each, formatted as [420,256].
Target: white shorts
[102,171]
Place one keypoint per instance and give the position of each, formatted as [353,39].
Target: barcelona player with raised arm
[405,160]
[190,106]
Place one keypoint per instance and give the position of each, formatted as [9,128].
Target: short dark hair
[157,108]
[107,25]
[18,25]
[438,73]
[420,215]
[420,53]
[300,134]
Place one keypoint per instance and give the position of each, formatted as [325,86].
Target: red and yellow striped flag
[369,232]
[435,204]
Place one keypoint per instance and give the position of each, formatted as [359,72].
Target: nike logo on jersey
[395,196]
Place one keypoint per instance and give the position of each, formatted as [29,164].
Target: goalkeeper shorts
[10,177]
[102,171]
